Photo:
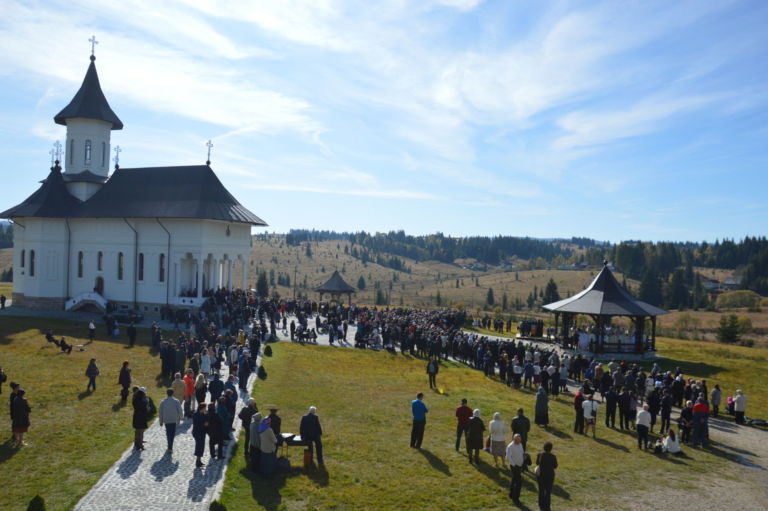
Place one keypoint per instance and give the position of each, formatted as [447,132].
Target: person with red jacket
[700,422]
[463,414]
[578,401]
[189,391]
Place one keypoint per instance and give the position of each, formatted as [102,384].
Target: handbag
[537,470]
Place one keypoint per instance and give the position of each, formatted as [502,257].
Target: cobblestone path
[156,480]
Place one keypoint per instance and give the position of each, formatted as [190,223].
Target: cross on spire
[57,149]
[209,145]
[116,159]
[51,152]
[93,42]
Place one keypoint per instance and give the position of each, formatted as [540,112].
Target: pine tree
[361,283]
[489,297]
[550,293]
[728,331]
[262,286]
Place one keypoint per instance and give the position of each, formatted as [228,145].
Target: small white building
[142,238]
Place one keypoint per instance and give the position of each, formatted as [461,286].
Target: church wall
[83,191]
[46,237]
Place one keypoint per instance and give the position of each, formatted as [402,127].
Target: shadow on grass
[556,432]
[7,450]
[84,394]
[435,462]
[671,458]
[318,474]
[119,405]
[613,445]
[266,490]
[492,473]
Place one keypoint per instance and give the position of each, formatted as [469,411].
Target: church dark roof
[51,200]
[89,102]
[156,192]
[605,296]
[335,284]
[166,192]
[85,176]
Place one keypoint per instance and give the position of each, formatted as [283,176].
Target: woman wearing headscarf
[268,446]
[475,436]
[542,408]
[498,432]
[140,404]
[201,389]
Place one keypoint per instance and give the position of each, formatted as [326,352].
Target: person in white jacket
[170,414]
[516,460]
[498,432]
[739,406]
[671,444]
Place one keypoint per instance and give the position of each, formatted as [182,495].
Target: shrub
[217,506]
[262,373]
[36,504]
[736,299]
[728,331]
[268,351]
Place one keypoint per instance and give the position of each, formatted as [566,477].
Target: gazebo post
[557,324]
[653,333]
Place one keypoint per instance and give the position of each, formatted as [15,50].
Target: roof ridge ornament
[209,144]
[93,42]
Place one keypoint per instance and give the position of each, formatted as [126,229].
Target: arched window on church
[31,263]
[141,266]
[72,150]
[87,152]
[100,261]
[80,265]
[120,266]
[103,154]
[162,268]
[23,254]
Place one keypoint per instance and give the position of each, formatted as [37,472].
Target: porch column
[176,283]
[199,271]
[244,277]
[215,276]
[229,273]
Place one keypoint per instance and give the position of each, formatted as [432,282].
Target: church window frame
[88,152]
[31,263]
[80,261]
[100,261]
[120,266]
[161,276]
[103,154]
[23,257]
[71,151]
[141,266]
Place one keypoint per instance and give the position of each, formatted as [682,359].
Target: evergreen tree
[381,298]
[489,297]
[438,299]
[262,286]
[308,251]
[550,292]
[650,287]
[504,301]
[361,283]
[728,331]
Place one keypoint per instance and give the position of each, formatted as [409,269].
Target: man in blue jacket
[311,431]
[419,410]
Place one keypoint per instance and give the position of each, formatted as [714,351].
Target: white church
[140,238]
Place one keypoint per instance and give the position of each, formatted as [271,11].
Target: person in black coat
[140,404]
[311,431]
[611,401]
[216,387]
[131,331]
[124,380]
[199,419]
[215,429]
[547,463]
[20,416]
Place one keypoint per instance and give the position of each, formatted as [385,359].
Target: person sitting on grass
[671,444]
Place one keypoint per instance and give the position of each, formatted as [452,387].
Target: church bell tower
[89,121]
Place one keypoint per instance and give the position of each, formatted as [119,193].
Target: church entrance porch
[197,276]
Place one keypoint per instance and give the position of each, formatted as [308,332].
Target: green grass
[363,402]
[6,289]
[74,437]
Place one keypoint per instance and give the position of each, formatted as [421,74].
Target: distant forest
[6,235]
[664,269]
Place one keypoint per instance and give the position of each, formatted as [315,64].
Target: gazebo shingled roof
[335,285]
[605,297]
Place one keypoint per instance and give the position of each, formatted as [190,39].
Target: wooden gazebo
[601,300]
[335,286]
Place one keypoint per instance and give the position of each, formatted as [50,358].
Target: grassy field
[363,402]
[74,436]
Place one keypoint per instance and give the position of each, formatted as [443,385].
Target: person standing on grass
[91,331]
[542,408]
[610,397]
[666,411]
[739,406]
[498,433]
[170,414]
[463,414]
[432,369]
[521,426]
[419,411]
[516,460]
[590,415]
[124,380]
[14,392]
[131,331]
[140,403]
[246,416]
[92,371]
[578,402]
[268,444]
[475,436]
[546,463]
[3,379]
[643,426]
[20,422]
[255,441]
[311,431]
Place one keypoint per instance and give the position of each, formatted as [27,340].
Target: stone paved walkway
[154,479]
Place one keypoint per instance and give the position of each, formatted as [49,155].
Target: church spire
[89,102]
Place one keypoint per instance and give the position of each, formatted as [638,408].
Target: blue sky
[613,120]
